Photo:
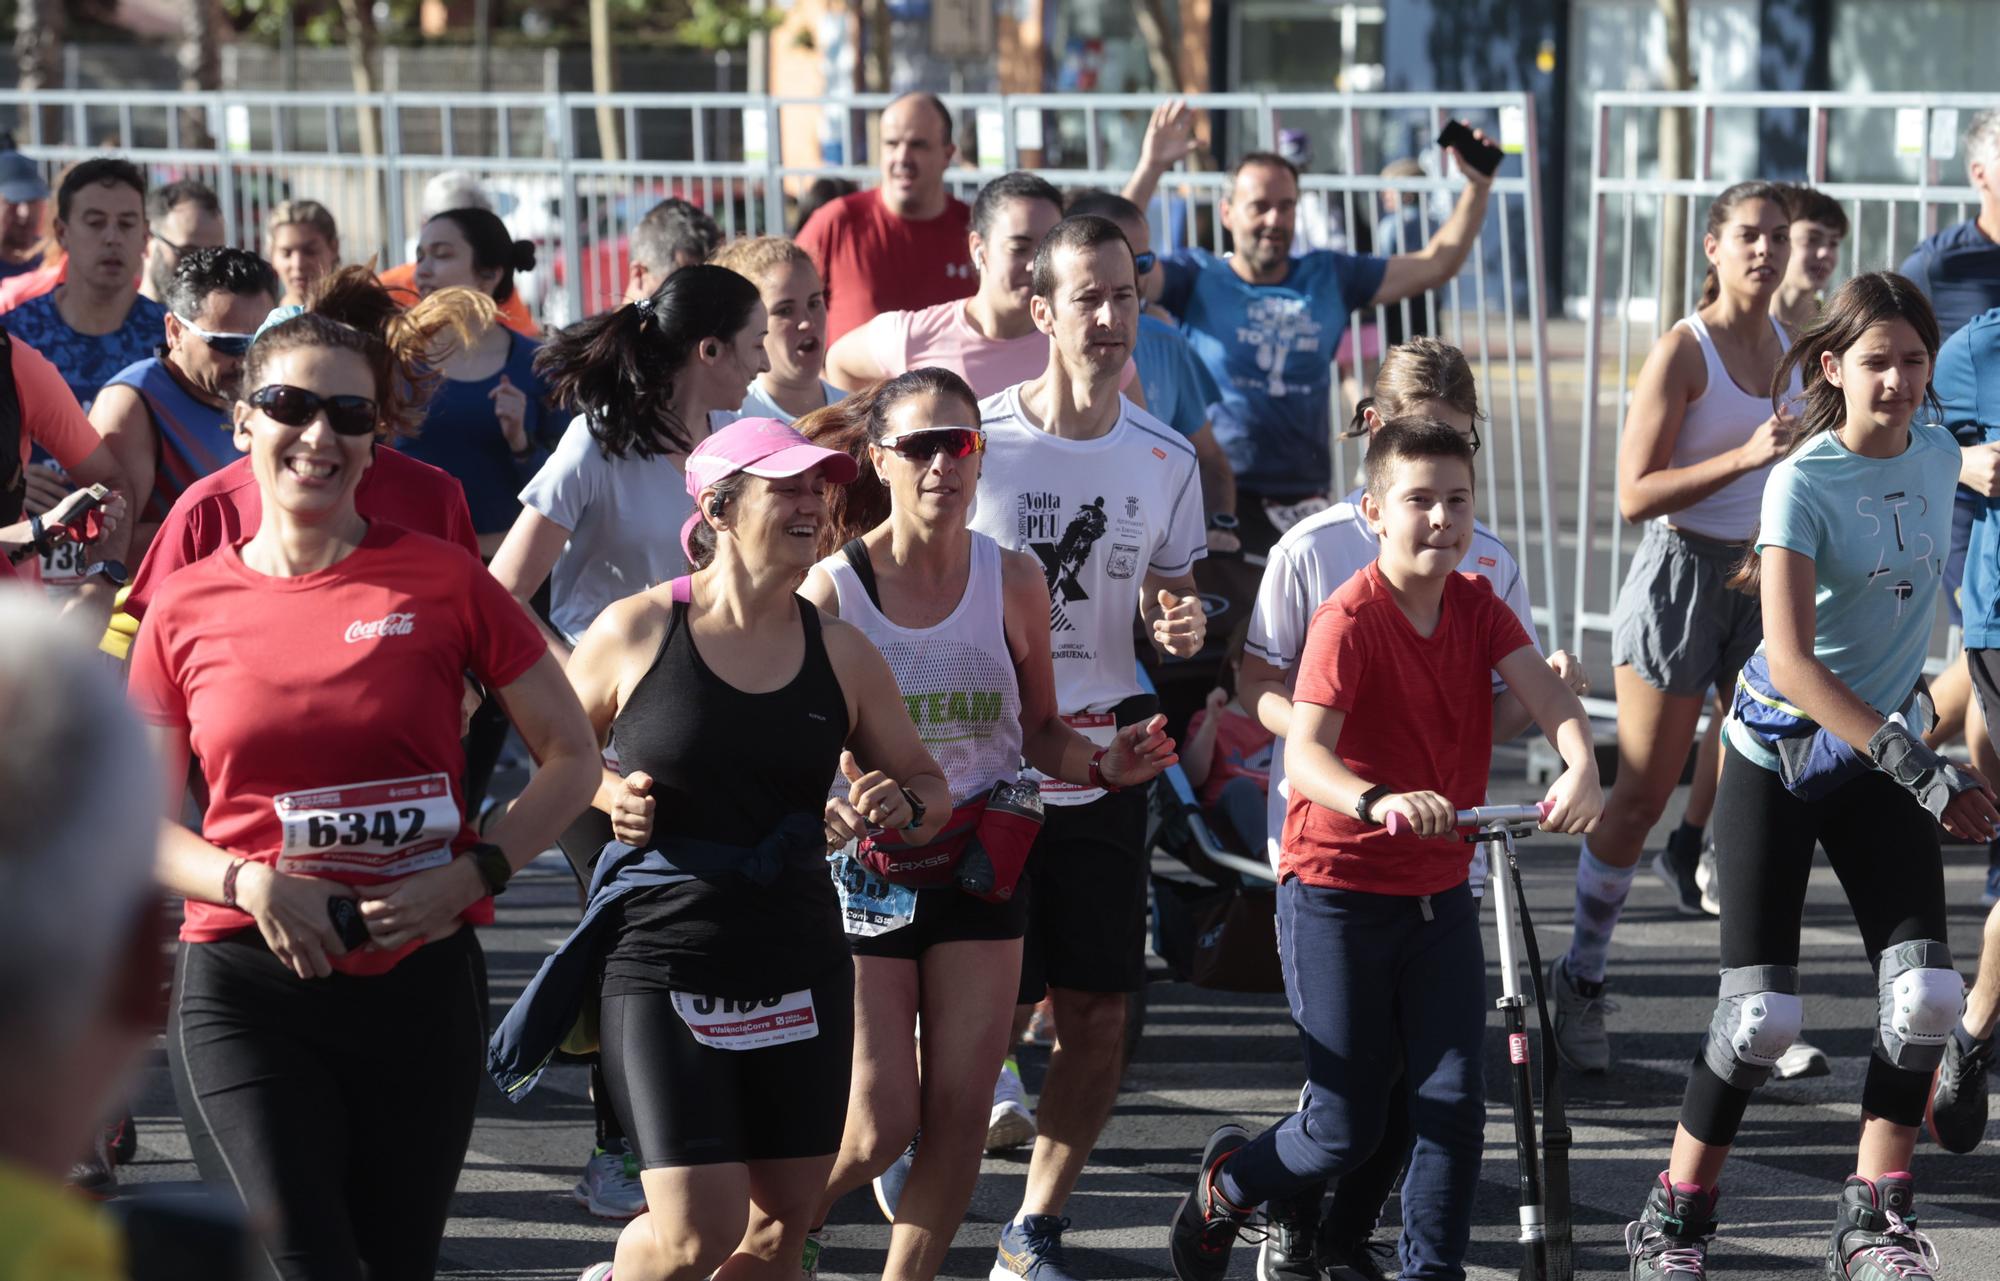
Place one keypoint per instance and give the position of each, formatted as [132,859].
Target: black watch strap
[494,869]
[1364,808]
[916,809]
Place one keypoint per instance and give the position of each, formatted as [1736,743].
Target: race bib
[869,905]
[1285,515]
[723,1023]
[388,828]
[63,565]
[1100,728]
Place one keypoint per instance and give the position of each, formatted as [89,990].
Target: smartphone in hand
[1483,156]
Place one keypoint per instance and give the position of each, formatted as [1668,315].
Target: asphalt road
[1208,1057]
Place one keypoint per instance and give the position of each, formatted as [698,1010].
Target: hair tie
[277,316]
[645,306]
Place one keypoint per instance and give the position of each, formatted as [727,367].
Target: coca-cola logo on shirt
[387,625]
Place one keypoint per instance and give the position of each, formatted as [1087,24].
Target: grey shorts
[1678,625]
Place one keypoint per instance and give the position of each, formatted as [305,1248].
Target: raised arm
[1169,140]
[1439,261]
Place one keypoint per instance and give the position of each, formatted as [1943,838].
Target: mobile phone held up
[1483,156]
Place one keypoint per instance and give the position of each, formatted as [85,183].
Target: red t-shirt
[324,709]
[874,261]
[1242,750]
[1419,719]
[225,507]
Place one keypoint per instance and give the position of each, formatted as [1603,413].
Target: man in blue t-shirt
[1266,324]
[1967,383]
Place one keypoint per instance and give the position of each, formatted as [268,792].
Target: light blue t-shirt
[1967,383]
[1877,530]
[1270,350]
[1178,390]
[757,403]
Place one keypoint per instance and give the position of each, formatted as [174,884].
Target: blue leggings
[1385,1000]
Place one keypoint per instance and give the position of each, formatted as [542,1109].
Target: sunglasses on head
[1145,262]
[922,446]
[296,407]
[223,344]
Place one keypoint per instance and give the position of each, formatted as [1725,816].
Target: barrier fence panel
[1891,160]
[578,196]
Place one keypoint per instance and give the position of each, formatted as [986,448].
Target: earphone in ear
[715,509]
[710,348]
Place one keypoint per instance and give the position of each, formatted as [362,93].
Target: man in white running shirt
[1108,499]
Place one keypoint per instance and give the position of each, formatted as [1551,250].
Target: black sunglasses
[922,446]
[296,407]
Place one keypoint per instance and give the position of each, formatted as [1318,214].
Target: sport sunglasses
[222,344]
[922,446]
[296,407]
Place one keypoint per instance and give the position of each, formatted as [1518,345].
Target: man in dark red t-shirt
[902,245]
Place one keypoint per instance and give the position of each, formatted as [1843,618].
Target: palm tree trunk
[200,58]
[39,27]
[604,80]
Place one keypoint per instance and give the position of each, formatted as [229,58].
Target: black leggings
[339,1109]
[1884,848]
[581,842]
[685,1103]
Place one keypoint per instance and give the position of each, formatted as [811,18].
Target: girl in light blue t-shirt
[1824,747]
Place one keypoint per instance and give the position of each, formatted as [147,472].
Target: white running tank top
[1720,419]
[957,678]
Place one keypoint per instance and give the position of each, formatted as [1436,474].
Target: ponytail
[350,311]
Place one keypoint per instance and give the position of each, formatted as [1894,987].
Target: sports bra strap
[683,590]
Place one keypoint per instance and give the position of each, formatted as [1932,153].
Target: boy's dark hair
[202,272]
[162,201]
[98,169]
[1411,438]
[1073,233]
[1810,204]
[1018,185]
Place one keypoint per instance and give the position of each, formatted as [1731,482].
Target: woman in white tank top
[1699,441]
[964,626]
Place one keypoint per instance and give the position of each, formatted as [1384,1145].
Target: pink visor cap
[762,447]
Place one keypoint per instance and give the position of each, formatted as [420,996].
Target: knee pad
[1920,997]
[1757,1017]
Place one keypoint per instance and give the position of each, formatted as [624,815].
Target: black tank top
[727,766]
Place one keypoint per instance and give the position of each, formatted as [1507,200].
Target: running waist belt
[983,847]
[1811,761]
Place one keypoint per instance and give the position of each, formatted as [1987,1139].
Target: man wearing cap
[24,214]
[167,417]
[1267,324]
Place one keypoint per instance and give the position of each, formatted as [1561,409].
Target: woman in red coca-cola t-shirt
[328,1003]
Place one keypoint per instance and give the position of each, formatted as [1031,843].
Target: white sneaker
[1801,1060]
[595,1272]
[1012,1124]
[1704,876]
[610,1186]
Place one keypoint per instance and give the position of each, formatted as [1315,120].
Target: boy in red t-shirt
[1379,934]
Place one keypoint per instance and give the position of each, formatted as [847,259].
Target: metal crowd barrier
[1893,160]
[367,158]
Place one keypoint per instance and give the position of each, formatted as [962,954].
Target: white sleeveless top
[1720,419]
[957,678]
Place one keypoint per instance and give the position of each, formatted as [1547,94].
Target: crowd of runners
[811,586]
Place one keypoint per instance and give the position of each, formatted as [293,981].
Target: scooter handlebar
[1478,816]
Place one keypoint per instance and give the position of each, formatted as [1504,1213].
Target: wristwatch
[111,571]
[916,809]
[1224,521]
[491,863]
[1364,808]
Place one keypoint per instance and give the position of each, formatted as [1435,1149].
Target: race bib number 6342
[391,827]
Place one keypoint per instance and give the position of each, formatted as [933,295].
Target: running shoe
[1803,1059]
[1669,1241]
[610,1186]
[595,1272]
[889,1183]
[1956,1113]
[1704,876]
[95,1173]
[1579,1021]
[1364,1260]
[809,1258]
[1676,866]
[1041,1028]
[1012,1124]
[1205,1225]
[1031,1247]
[1875,1235]
[124,1138]
[1290,1249]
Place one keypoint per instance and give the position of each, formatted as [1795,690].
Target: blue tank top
[191,438]
[461,435]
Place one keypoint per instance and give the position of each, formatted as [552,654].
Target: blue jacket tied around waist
[1811,761]
[527,1038]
